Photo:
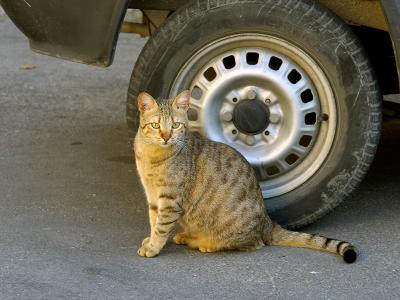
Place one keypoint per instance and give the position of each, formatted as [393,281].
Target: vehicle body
[309,136]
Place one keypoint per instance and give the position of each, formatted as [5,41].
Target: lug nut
[250,140]
[251,94]
[274,118]
[227,116]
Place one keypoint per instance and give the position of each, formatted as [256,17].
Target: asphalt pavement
[72,211]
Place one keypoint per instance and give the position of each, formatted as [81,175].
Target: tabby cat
[208,188]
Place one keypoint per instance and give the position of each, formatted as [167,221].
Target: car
[295,85]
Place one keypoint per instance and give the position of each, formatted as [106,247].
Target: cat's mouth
[165,144]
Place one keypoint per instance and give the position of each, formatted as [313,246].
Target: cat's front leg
[153,209]
[169,212]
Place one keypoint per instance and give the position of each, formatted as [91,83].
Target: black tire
[324,37]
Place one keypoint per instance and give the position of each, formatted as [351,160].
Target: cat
[207,187]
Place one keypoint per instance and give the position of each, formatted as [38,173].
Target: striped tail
[283,237]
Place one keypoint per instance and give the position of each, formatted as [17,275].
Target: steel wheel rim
[300,106]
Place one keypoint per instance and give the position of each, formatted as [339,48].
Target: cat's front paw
[147,250]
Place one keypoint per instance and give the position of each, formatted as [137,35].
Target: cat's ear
[146,102]
[182,101]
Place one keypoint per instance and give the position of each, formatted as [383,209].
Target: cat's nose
[166,136]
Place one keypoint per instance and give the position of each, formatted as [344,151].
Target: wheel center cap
[251,116]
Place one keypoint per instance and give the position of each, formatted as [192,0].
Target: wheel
[284,82]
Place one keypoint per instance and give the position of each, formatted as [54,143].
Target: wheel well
[379,47]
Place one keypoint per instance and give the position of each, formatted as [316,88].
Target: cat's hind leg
[204,243]
[195,241]
[207,244]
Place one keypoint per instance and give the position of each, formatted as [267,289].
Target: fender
[392,14]
[85,31]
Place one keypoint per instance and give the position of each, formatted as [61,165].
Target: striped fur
[208,188]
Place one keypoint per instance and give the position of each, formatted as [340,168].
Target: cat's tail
[282,237]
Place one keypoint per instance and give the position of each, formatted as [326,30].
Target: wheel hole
[252,58]
[192,114]
[275,63]
[210,74]
[306,96]
[310,118]
[305,140]
[272,170]
[294,76]
[291,158]
[229,62]
[197,93]
[258,174]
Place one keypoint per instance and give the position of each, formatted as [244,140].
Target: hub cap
[266,98]
[251,117]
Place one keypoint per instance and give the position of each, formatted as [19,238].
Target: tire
[305,36]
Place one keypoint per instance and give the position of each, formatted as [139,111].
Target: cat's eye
[155,125]
[176,125]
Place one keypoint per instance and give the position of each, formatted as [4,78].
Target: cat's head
[163,123]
